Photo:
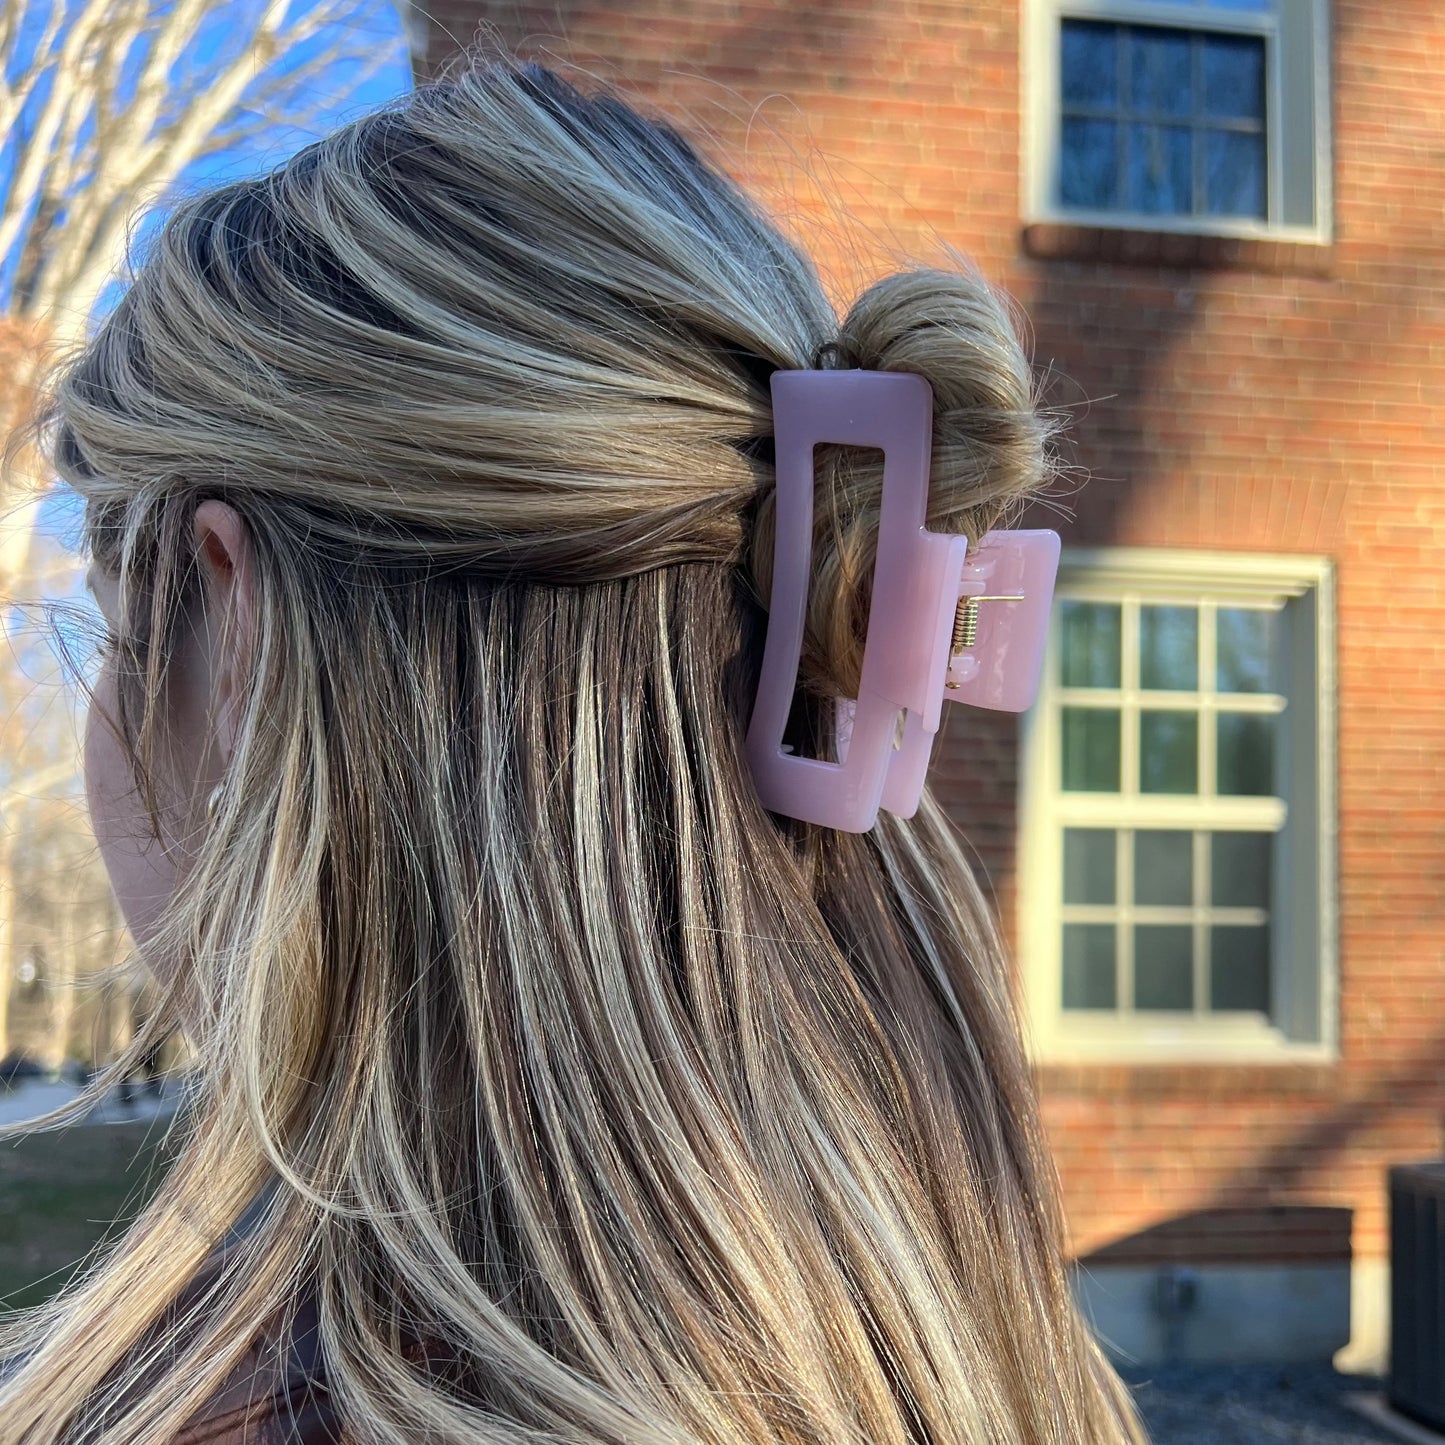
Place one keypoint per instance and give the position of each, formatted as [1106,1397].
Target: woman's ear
[228,574]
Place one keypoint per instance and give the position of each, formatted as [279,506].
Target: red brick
[1252,408]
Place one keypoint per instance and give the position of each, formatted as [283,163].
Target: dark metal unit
[1417,1292]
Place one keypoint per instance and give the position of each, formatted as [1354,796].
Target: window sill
[1186,250]
[1213,1079]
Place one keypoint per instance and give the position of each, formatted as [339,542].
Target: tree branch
[158,165]
[14,97]
[31,165]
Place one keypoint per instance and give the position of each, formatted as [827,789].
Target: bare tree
[39,764]
[107,105]
[95,144]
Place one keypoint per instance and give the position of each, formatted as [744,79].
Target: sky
[337,93]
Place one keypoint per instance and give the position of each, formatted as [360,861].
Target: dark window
[1161,121]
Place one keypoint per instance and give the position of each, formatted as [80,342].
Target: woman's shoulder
[280,1397]
[272,1397]
[297,1413]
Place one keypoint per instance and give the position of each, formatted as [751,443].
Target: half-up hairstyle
[588,1101]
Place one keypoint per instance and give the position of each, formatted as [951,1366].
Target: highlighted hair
[529,1037]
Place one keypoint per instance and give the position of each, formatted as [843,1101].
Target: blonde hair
[658,1117]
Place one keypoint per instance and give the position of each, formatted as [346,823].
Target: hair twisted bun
[990,449]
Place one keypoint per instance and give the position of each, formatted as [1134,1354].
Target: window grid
[1127,112]
[1202,814]
[1296,120]
[1287,981]
[1206,703]
[1199,916]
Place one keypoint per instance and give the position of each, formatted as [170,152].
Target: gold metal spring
[965,623]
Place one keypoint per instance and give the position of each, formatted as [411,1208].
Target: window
[1177,843]
[1200,115]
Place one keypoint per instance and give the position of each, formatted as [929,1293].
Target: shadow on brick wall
[1222,1286]
[1279,1233]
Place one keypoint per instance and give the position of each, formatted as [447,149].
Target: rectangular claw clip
[942,624]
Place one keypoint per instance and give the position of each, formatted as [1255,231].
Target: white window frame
[1300,71]
[1304,962]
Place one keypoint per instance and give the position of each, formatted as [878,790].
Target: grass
[62,1193]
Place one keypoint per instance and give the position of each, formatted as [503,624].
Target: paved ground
[1253,1405]
[37,1096]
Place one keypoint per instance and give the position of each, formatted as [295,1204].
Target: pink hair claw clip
[942,624]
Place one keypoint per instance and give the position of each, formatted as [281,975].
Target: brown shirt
[272,1397]
[266,1400]
[271,1401]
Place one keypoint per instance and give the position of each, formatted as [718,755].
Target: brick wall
[1241,397]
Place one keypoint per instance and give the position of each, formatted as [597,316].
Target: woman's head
[200,702]
[496,332]
[427,486]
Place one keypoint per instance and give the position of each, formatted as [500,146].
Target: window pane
[1168,752]
[1089,164]
[1159,72]
[1089,979]
[1089,65]
[1091,749]
[1164,868]
[1164,966]
[1169,648]
[1089,866]
[1233,68]
[1158,172]
[1245,650]
[1239,968]
[1246,754]
[1090,643]
[1233,173]
[1239,869]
